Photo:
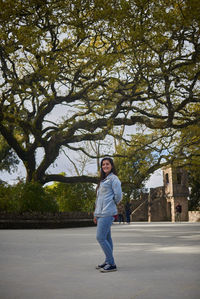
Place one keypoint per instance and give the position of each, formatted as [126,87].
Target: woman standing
[109,194]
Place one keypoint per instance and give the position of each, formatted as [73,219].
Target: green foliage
[103,64]
[8,200]
[133,165]
[186,147]
[32,197]
[8,159]
[194,184]
[189,146]
[26,197]
[73,197]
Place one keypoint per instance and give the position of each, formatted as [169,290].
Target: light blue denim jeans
[104,237]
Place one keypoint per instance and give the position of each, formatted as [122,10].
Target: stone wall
[158,205]
[175,182]
[156,208]
[184,203]
[139,210]
[194,216]
[45,220]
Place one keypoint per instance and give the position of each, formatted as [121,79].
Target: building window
[167,178]
[179,178]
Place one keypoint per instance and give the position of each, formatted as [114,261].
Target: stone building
[159,204]
[176,191]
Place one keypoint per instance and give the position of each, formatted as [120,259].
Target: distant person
[109,194]
[120,212]
[178,212]
[128,211]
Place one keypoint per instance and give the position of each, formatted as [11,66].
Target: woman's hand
[95,220]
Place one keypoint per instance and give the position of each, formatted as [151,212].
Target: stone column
[172,209]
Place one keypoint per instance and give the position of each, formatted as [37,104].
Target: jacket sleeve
[116,186]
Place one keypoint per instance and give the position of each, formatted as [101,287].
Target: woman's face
[106,166]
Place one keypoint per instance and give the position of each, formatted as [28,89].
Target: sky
[62,165]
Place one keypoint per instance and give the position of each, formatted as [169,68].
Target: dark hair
[102,174]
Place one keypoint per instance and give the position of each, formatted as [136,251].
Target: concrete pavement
[155,261]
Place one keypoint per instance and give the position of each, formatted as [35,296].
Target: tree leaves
[103,64]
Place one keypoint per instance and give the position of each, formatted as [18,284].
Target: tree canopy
[133,166]
[101,64]
[73,197]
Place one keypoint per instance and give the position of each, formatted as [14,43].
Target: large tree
[133,166]
[103,64]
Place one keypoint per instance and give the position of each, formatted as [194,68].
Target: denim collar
[110,174]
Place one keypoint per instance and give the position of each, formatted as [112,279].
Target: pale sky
[62,165]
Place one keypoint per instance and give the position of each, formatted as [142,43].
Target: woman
[109,194]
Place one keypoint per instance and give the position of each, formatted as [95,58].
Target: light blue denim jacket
[109,194]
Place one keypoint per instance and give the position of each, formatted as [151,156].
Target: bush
[8,202]
[73,197]
[26,197]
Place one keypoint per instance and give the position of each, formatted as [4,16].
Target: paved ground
[155,261]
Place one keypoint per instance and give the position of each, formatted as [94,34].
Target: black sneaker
[108,268]
[101,266]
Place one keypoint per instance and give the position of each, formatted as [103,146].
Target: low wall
[194,216]
[45,220]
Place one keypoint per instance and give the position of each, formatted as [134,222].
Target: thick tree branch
[73,179]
